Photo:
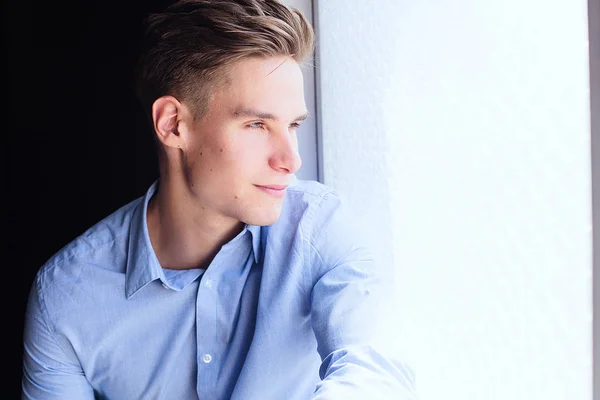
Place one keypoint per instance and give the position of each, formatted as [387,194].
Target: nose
[285,157]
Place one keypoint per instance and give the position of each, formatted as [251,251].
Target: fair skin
[213,170]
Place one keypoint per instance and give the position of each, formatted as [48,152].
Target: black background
[77,144]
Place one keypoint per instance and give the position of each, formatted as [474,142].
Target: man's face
[247,141]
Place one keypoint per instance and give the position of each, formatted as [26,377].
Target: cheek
[233,158]
[246,154]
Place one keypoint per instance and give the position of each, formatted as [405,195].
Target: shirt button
[165,286]
[207,358]
[208,283]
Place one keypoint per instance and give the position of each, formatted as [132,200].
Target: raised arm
[352,306]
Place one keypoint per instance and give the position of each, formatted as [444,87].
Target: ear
[166,114]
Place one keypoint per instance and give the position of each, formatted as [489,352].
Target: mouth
[273,190]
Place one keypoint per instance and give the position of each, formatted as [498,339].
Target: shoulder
[320,202]
[100,246]
[324,217]
[317,196]
[307,205]
[308,191]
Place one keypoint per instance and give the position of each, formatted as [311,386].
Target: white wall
[460,131]
[594,35]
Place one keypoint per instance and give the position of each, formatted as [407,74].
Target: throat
[182,243]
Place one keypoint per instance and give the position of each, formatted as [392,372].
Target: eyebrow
[251,113]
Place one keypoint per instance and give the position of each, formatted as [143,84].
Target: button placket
[212,292]
[206,334]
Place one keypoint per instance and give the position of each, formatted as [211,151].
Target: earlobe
[165,116]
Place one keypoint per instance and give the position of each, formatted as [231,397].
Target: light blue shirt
[291,311]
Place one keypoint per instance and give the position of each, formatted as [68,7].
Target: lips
[274,187]
[273,190]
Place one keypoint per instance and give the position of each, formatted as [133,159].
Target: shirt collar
[143,266]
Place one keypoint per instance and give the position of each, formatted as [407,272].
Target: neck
[185,234]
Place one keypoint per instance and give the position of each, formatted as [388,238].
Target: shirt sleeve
[50,370]
[351,311]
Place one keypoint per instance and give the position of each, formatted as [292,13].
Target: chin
[264,218]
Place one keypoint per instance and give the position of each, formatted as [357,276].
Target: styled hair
[187,48]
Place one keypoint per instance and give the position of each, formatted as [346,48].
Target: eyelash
[256,125]
[261,125]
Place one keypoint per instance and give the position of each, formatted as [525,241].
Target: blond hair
[187,48]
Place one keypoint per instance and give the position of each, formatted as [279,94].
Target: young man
[229,278]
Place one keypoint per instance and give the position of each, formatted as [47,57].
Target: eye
[295,125]
[256,125]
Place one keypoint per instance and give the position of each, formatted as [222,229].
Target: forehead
[273,84]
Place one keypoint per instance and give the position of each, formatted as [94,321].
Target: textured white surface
[460,133]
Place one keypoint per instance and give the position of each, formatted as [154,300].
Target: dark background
[77,145]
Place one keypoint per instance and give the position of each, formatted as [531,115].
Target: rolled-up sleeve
[351,312]
[50,371]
